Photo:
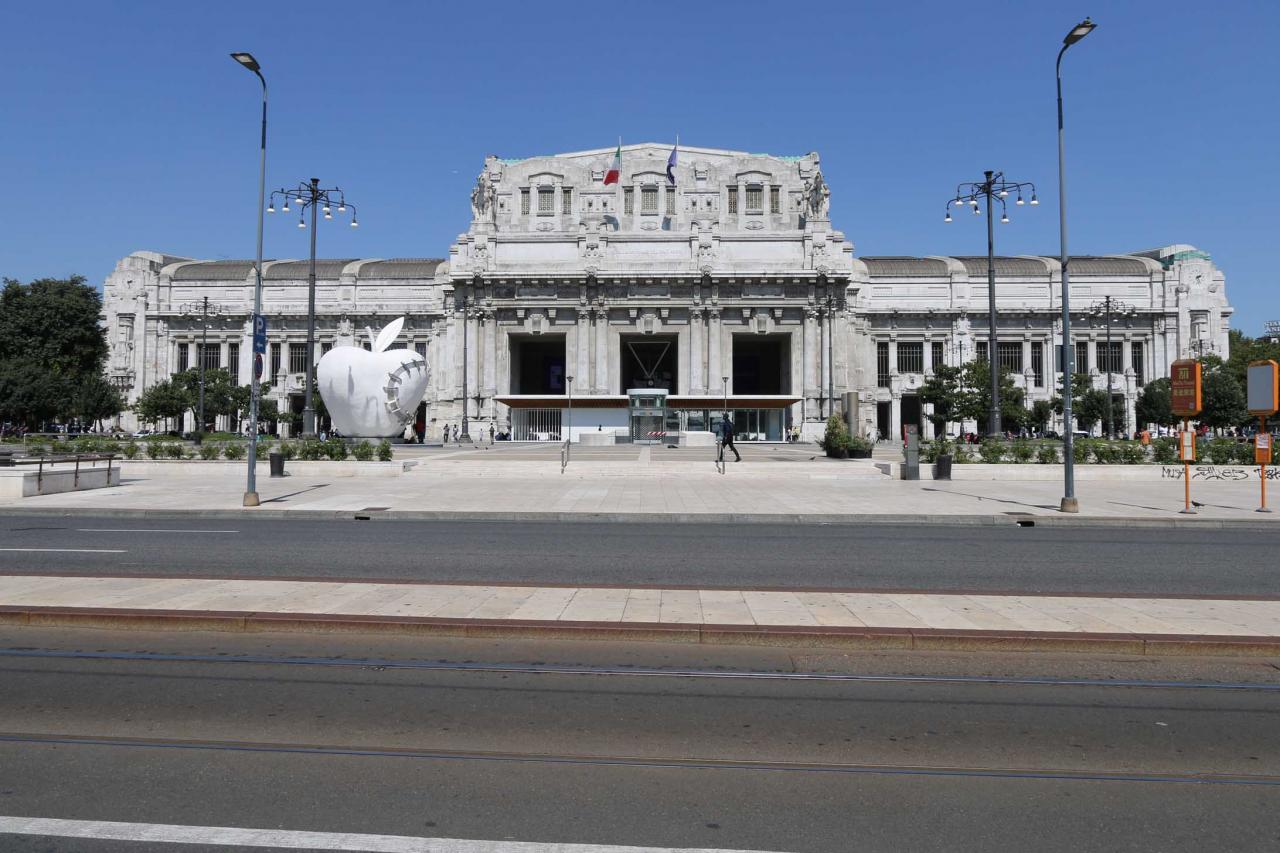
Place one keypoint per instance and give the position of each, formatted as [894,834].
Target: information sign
[259,334]
[1262,448]
[1187,445]
[1185,390]
[1264,388]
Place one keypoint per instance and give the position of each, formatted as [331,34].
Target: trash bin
[277,464]
[942,467]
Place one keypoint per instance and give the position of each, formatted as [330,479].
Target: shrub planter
[859,454]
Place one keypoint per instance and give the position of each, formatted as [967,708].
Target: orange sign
[1185,392]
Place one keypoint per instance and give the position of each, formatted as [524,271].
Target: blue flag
[671,165]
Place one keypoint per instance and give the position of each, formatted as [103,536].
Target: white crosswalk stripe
[296,840]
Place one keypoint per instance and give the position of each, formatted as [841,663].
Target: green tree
[976,400]
[1089,404]
[1222,395]
[162,402]
[1154,404]
[221,395]
[96,400]
[54,323]
[945,392]
[1245,349]
[31,394]
[1040,415]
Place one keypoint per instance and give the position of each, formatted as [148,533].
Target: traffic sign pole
[1187,450]
[1262,390]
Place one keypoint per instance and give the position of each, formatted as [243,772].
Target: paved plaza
[793,482]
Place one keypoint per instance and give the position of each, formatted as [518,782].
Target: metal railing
[52,461]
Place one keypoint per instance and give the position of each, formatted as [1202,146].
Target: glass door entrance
[648,408]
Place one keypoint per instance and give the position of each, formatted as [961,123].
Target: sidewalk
[846,619]
[776,485]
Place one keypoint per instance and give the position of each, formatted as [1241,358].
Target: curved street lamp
[1107,310]
[992,190]
[311,196]
[1069,502]
[201,309]
[251,483]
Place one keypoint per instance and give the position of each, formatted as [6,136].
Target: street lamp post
[568,433]
[203,310]
[994,189]
[466,404]
[310,196]
[1106,309]
[831,364]
[251,482]
[1069,502]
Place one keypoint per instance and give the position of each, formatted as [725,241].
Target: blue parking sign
[259,334]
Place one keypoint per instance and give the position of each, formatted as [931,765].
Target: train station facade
[659,300]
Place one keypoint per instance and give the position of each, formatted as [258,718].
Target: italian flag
[615,168]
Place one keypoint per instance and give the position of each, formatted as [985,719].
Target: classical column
[604,379]
[714,372]
[812,362]
[697,353]
[490,353]
[582,346]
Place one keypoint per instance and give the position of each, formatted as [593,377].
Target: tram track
[664,762]
[376,664]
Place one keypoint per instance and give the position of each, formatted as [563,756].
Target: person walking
[726,437]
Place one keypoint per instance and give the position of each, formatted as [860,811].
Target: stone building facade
[667,303]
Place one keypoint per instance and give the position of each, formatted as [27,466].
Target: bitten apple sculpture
[373,394]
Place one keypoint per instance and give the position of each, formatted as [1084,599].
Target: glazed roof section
[899,266]
[327,269]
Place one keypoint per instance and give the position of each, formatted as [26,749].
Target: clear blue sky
[128,127]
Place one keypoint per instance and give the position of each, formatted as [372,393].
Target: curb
[846,639]
[978,520]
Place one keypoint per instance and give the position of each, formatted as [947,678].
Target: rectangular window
[671,200]
[1037,363]
[524,201]
[882,364]
[1139,372]
[297,358]
[275,363]
[648,199]
[546,201]
[911,357]
[733,199]
[629,200]
[233,361]
[775,199]
[1082,357]
[566,200]
[1108,357]
[184,357]
[211,356]
[1009,355]
[938,358]
[982,352]
[421,349]
[755,199]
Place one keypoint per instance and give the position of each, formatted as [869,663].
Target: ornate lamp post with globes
[993,189]
[1107,310]
[311,196]
[202,309]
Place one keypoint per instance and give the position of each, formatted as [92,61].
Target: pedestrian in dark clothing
[726,437]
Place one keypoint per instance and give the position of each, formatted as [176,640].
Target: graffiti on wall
[1218,472]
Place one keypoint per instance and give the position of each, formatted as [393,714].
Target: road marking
[296,840]
[144,530]
[70,550]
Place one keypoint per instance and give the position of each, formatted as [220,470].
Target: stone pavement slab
[817,617]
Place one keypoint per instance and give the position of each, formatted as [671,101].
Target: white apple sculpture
[373,394]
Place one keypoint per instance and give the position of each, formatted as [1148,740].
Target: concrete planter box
[27,481]
[597,439]
[161,468]
[1100,473]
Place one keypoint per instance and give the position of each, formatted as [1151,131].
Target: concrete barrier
[597,439]
[1034,472]
[28,482]
[164,468]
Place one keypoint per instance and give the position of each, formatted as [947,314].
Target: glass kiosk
[648,409]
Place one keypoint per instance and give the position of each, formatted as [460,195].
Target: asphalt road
[911,557]
[663,761]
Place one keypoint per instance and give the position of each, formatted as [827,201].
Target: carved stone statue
[482,198]
[817,196]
